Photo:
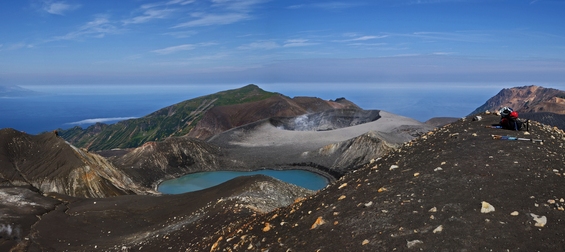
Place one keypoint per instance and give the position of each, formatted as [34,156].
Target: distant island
[13,91]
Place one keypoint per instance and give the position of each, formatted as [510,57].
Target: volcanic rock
[519,178]
[526,99]
[49,164]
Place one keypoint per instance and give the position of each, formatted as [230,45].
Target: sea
[67,106]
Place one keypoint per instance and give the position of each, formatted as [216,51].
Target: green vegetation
[176,120]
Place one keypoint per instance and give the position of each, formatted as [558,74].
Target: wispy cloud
[180,48]
[58,8]
[265,45]
[148,15]
[181,2]
[181,34]
[451,36]
[205,19]
[172,2]
[237,5]
[97,28]
[13,47]
[157,10]
[412,2]
[354,37]
[269,44]
[298,43]
[367,44]
[101,120]
[327,5]
[174,49]
[223,12]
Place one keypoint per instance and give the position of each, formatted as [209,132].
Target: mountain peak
[526,99]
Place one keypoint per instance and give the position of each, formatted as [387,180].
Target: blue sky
[106,42]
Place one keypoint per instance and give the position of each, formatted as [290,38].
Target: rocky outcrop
[347,156]
[526,99]
[49,164]
[174,157]
[20,208]
[268,144]
[326,120]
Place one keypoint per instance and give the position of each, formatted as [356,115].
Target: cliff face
[49,164]
[526,99]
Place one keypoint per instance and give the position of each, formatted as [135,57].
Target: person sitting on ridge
[509,119]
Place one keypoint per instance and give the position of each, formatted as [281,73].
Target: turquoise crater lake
[202,180]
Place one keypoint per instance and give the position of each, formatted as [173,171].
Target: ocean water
[202,180]
[68,106]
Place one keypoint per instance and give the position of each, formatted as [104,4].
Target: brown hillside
[49,164]
[221,118]
[526,99]
[428,196]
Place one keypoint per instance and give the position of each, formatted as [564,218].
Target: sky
[207,42]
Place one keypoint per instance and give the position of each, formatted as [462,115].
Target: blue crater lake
[202,180]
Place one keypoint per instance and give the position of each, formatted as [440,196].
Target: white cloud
[222,12]
[203,19]
[97,28]
[266,45]
[149,15]
[13,47]
[472,36]
[172,2]
[58,8]
[326,6]
[237,5]
[355,37]
[101,120]
[181,2]
[174,49]
[363,38]
[181,34]
[298,43]
[367,44]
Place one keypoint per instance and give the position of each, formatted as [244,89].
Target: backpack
[509,120]
[511,123]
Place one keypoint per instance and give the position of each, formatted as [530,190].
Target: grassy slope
[175,120]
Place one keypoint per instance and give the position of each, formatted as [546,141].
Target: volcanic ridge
[395,183]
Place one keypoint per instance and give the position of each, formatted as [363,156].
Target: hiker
[509,119]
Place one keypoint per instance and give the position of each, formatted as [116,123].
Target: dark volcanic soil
[428,196]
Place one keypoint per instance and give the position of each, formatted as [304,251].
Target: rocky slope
[147,223]
[453,189]
[49,164]
[200,117]
[174,157]
[270,143]
[545,105]
[526,99]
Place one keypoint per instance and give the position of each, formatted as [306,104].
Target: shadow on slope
[156,223]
